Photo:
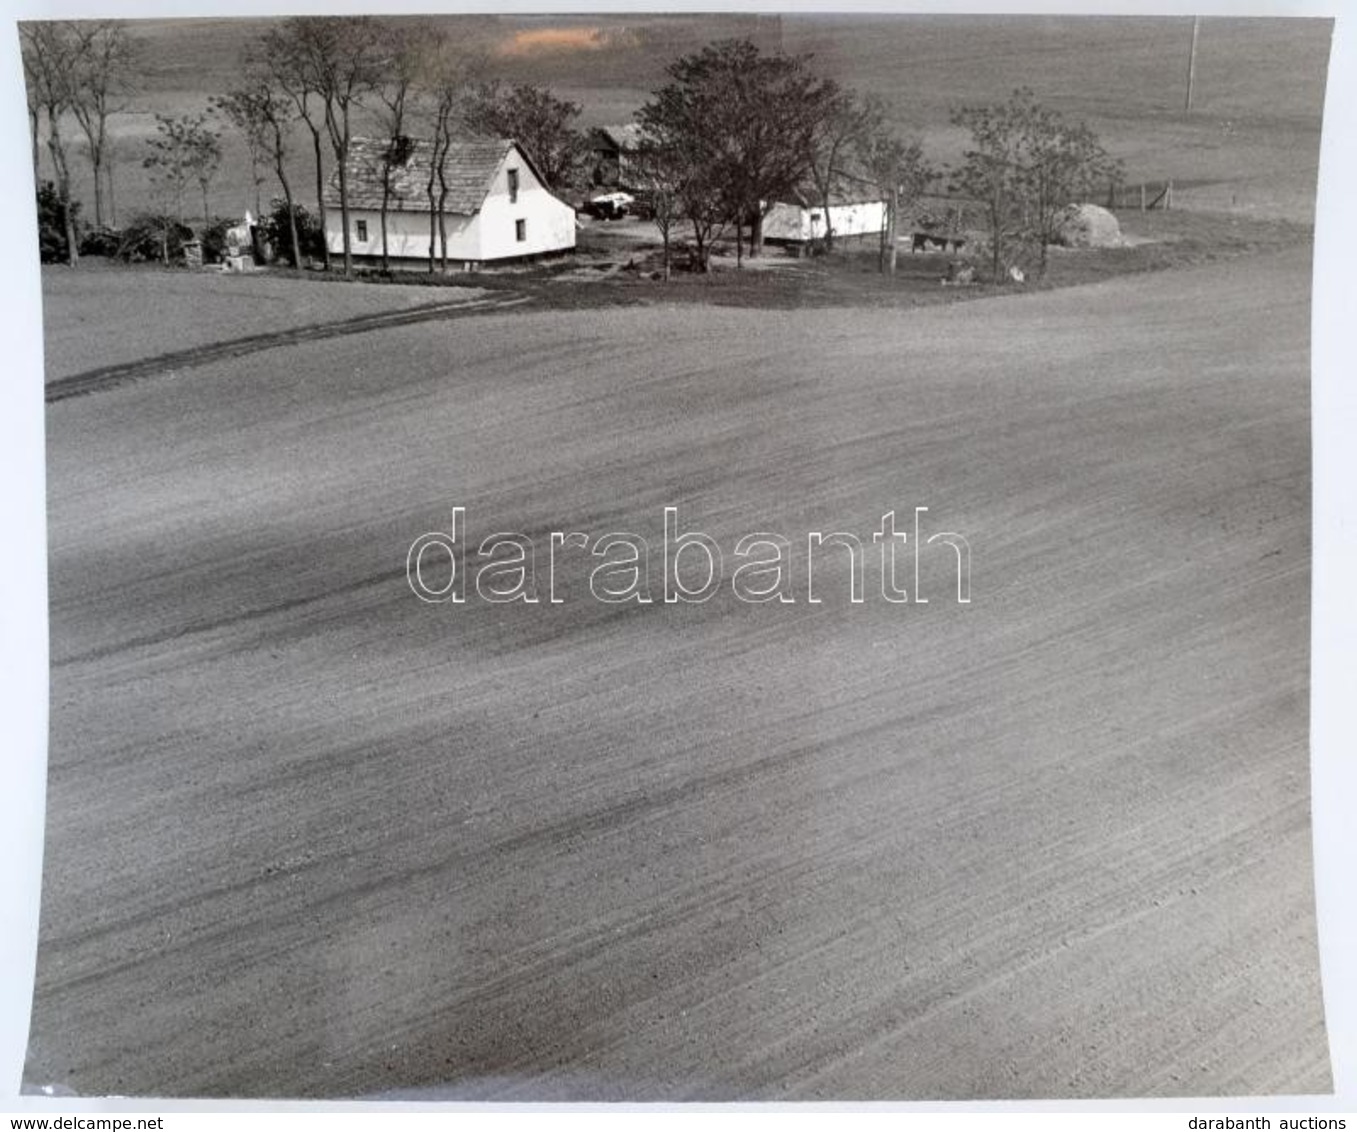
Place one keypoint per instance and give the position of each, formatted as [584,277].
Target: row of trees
[79,70]
[731,131]
[315,75]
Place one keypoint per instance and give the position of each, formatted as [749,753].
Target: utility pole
[1192,63]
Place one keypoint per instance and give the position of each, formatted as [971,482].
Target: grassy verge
[626,273]
[611,273]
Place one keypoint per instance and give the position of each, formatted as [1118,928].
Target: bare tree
[184,150]
[1024,165]
[341,56]
[49,53]
[204,159]
[31,81]
[262,111]
[404,53]
[283,55]
[842,123]
[253,133]
[1062,162]
[444,82]
[676,164]
[660,171]
[101,79]
[896,168]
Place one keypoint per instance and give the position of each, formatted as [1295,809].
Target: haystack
[1088,226]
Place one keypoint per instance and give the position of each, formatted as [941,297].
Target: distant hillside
[1251,143]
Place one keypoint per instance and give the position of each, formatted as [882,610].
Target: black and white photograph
[661,557]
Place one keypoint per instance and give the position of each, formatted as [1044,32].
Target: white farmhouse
[497,206]
[802,219]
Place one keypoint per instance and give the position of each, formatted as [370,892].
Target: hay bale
[1088,226]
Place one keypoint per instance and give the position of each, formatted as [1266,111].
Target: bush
[214,240]
[310,237]
[100,241]
[51,227]
[154,237]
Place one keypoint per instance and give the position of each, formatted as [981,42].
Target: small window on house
[361,231]
[521,230]
[513,188]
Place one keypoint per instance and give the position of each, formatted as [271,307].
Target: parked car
[610,206]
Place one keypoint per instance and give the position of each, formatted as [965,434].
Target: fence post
[1168,197]
[1142,196]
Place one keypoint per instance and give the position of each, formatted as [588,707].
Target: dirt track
[309,836]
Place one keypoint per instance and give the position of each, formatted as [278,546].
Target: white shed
[497,206]
[802,219]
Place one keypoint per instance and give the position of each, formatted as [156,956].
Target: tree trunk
[72,251]
[386,258]
[97,163]
[700,248]
[342,157]
[892,239]
[997,235]
[320,197]
[344,215]
[442,214]
[386,204]
[63,186]
[433,234]
[207,218]
[280,168]
[433,205]
[292,230]
[291,218]
[33,123]
[112,204]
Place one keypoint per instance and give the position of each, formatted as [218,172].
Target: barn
[613,150]
[801,219]
[497,206]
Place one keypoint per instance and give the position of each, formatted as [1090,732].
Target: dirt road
[310,836]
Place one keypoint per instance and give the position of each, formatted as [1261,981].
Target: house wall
[794,223]
[407,234]
[549,221]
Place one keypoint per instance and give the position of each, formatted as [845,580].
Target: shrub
[100,241]
[310,237]
[214,240]
[154,237]
[51,228]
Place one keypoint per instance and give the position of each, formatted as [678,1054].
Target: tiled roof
[469,169]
